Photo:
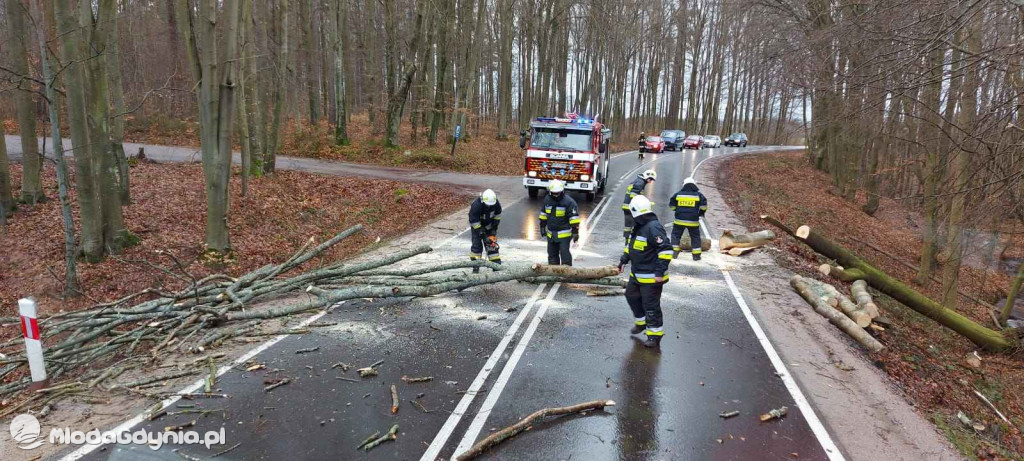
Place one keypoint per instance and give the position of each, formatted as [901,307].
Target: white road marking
[506,373]
[128,425]
[780,368]
[453,420]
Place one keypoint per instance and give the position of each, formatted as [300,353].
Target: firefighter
[484,217]
[559,223]
[689,205]
[649,253]
[633,190]
[640,145]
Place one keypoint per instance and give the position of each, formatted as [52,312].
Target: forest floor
[927,362]
[277,216]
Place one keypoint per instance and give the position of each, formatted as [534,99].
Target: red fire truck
[573,149]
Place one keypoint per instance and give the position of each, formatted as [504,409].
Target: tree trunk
[933,170]
[841,321]
[960,165]
[6,197]
[442,69]
[31,182]
[113,62]
[337,39]
[396,101]
[308,51]
[215,97]
[71,283]
[273,141]
[983,337]
[1011,297]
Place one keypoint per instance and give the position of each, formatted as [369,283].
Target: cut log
[983,337]
[739,251]
[575,272]
[684,244]
[843,303]
[840,273]
[494,439]
[752,240]
[859,290]
[810,294]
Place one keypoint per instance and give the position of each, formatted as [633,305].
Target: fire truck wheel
[591,196]
[533,191]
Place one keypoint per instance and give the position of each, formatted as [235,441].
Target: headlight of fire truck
[532,174]
[584,177]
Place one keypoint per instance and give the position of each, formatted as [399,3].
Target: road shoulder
[867,416]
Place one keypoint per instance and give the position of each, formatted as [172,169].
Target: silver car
[712,141]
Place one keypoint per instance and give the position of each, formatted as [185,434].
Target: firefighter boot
[637,329]
[696,256]
[653,342]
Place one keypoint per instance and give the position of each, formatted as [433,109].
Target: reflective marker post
[458,133]
[33,341]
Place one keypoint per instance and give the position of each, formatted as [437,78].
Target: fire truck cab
[573,149]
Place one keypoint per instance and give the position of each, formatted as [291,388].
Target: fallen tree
[813,296]
[843,303]
[500,436]
[214,309]
[730,240]
[859,290]
[983,337]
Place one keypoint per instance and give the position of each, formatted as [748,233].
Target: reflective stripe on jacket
[648,250]
[689,205]
[634,189]
[559,219]
[483,218]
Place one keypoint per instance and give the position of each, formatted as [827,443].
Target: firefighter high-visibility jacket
[648,250]
[483,218]
[634,189]
[559,219]
[689,205]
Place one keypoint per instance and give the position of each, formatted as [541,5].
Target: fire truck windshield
[560,139]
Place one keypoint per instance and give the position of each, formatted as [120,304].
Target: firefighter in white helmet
[559,223]
[649,252]
[633,190]
[484,217]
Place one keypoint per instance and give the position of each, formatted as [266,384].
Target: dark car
[736,139]
[693,142]
[673,139]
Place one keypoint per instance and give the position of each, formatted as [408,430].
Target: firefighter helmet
[689,180]
[556,186]
[649,174]
[639,205]
[489,198]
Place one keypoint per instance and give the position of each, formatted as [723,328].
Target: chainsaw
[491,244]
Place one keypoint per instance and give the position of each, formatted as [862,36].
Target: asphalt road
[539,346]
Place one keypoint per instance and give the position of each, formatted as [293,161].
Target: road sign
[458,131]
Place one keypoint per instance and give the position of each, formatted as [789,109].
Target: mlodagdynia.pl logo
[26,433]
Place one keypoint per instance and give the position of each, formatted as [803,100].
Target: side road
[178,154]
[868,417]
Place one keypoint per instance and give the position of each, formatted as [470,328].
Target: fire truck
[573,149]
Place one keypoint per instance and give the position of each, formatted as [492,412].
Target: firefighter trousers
[558,251]
[477,246]
[644,300]
[677,234]
[629,223]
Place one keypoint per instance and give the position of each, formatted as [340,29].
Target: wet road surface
[539,346]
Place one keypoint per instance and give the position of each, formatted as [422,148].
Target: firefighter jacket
[484,219]
[559,218]
[648,250]
[689,205]
[634,189]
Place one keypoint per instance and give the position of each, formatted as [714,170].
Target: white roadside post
[33,341]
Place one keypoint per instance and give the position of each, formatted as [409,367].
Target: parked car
[673,139]
[712,141]
[693,141]
[736,139]
[654,144]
